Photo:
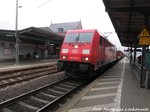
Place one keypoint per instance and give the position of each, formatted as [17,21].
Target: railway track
[42,99]
[18,76]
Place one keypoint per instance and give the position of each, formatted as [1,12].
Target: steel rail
[25,95]
[28,77]
[28,72]
[52,103]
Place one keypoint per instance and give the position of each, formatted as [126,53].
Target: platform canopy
[7,35]
[128,18]
[40,35]
[32,35]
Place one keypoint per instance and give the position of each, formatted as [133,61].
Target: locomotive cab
[75,53]
[84,51]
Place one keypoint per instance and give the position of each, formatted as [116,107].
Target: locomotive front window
[72,37]
[85,37]
[79,37]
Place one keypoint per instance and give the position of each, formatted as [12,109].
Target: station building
[61,28]
[44,41]
[32,41]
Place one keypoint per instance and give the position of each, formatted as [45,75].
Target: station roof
[40,35]
[33,35]
[7,35]
[128,18]
[66,26]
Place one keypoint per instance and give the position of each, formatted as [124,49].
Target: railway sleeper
[39,100]
[66,86]
[55,92]
[70,84]
[48,95]
[61,88]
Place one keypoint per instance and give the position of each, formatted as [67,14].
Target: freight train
[85,51]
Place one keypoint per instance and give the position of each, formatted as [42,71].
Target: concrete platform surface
[117,90]
[10,65]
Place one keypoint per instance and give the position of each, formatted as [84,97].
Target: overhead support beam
[127,17]
[129,9]
[134,59]
[128,32]
[131,55]
[130,15]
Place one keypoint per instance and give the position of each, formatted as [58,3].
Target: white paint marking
[103,88]
[106,79]
[98,96]
[96,108]
[109,76]
[118,97]
[113,82]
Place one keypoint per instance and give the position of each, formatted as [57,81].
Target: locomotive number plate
[74,51]
[74,58]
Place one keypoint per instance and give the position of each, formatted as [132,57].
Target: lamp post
[16,36]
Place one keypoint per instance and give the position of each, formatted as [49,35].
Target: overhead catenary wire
[44,3]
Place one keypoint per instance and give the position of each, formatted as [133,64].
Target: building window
[7,51]
[60,30]
[11,45]
[2,44]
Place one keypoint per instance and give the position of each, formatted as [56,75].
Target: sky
[41,13]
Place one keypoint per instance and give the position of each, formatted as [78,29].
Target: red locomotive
[85,51]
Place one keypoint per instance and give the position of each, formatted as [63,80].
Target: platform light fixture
[17,35]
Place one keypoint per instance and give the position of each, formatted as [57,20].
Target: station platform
[117,90]
[9,65]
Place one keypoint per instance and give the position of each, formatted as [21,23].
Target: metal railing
[137,69]
[146,75]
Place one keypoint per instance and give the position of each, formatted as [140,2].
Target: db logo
[75,51]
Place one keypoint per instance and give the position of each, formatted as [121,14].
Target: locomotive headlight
[85,51]
[64,57]
[64,51]
[85,58]
[76,46]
